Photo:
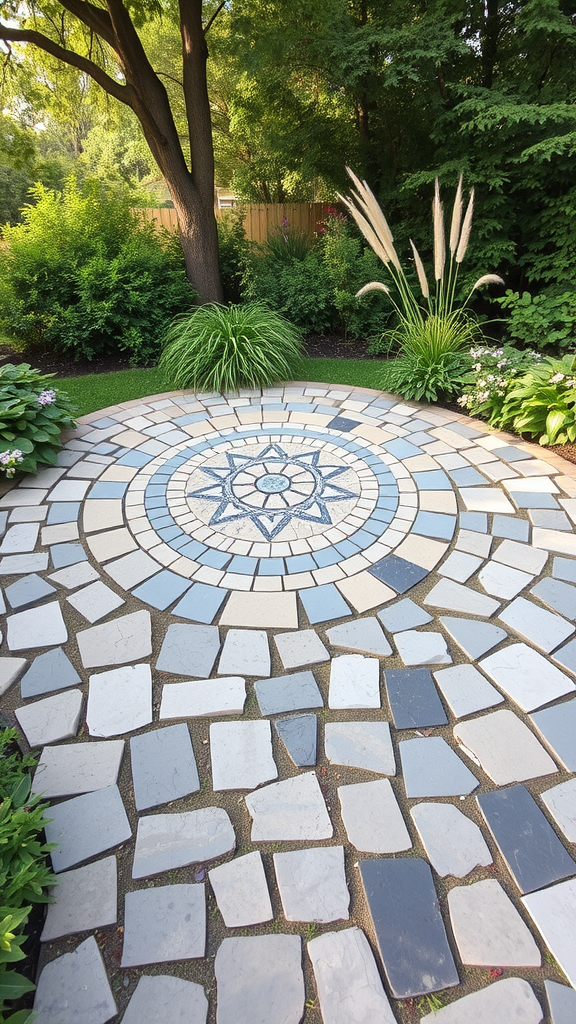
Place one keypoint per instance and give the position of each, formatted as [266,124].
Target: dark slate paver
[299,734]
[534,854]
[409,929]
[288,693]
[413,698]
[398,573]
[163,766]
[48,672]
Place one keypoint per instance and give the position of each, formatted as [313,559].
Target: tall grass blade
[422,279]
[439,243]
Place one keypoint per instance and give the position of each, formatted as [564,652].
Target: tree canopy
[282,95]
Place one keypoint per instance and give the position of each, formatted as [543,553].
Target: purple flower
[47,397]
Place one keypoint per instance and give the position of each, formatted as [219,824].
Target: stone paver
[347,980]
[259,979]
[504,747]
[553,911]
[364,745]
[312,884]
[526,676]
[466,690]
[354,682]
[124,639]
[488,929]
[164,924]
[561,803]
[241,891]
[241,754]
[163,766]
[365,636]
[290,810]
[298,650]
[199,699]
[294,532]
[84,899]
[74,987]
[10,671]
[119,701]
[295,692]
[372,817]
[409,929]
[562,1002]
[245,652]
[509,999]
[431,768]
[299,735]
[86,826]
[163,997]
[166,841]
[36,627]
[48,672]
[78,768]
[454,844]
[52,719]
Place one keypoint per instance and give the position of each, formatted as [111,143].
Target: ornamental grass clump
[219,348]
[435,330]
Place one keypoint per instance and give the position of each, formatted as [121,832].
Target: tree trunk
[199,238]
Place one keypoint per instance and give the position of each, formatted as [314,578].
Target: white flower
[557,378]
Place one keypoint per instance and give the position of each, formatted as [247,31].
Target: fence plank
[259,218]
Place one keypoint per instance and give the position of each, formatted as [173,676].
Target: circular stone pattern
[325,764]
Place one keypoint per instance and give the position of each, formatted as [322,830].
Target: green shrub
[32,418]
[541,321]
[433,363]
[218,348]
[542,402]
[24,873]
[83,275]
[233,252]
[348,264]
[286,242]
[493,372]
[298,289]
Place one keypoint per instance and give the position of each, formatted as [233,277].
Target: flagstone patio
[300,665]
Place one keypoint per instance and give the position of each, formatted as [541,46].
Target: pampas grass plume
[466,229]
[373,286]
[488,279]
[456,218]
[420,271]
[439,243]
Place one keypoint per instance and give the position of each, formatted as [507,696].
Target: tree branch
[75,60]
[95,18]
[211,20]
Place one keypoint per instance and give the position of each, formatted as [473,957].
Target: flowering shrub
[32,417]
[492,373]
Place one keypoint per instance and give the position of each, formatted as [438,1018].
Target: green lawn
[98,390]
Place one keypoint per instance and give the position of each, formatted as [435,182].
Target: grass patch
[99,390]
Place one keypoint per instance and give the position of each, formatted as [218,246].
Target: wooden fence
[259,218]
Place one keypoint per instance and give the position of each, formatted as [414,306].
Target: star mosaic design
[272,488]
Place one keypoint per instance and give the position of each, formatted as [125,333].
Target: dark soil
[318,346]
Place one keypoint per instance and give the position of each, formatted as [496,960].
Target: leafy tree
[105,45]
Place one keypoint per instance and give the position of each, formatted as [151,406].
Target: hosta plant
[494,371]
[33,415]
[435,329]
[542,402]
[223,348]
